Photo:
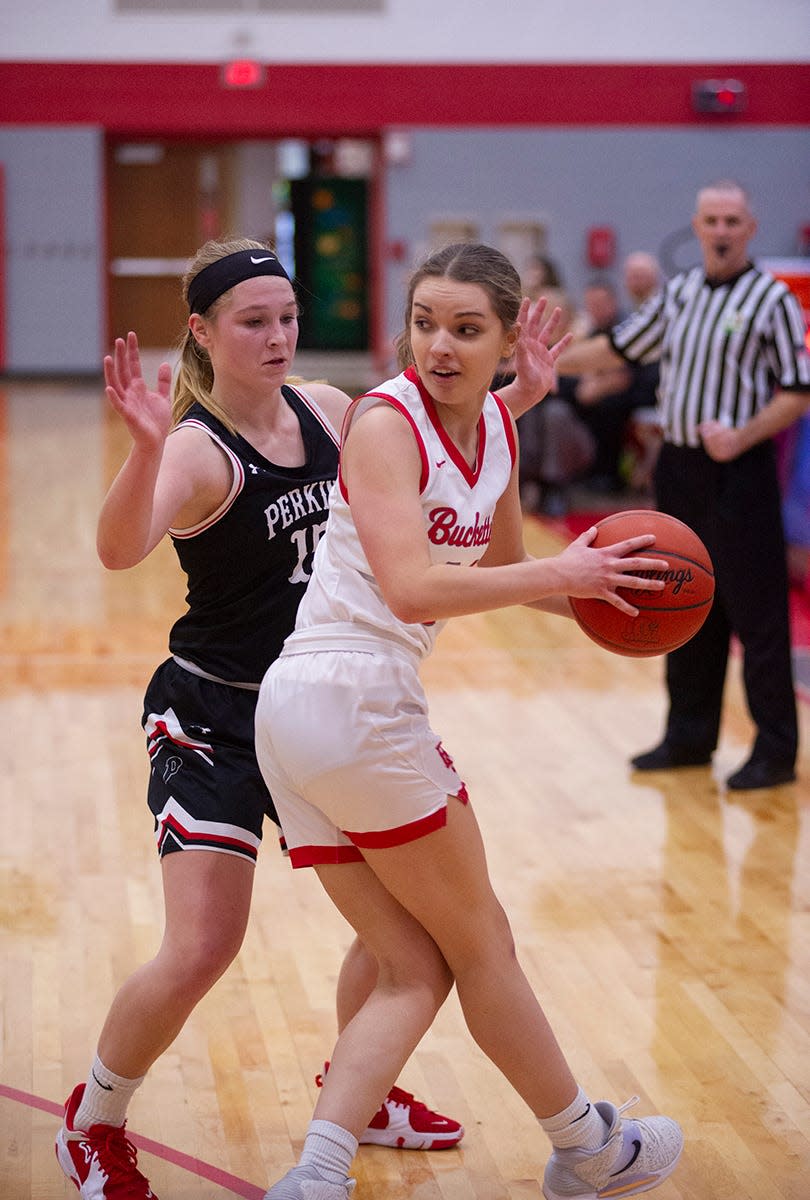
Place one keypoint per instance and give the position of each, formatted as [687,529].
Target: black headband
[212,281]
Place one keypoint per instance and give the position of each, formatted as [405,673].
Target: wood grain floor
[664,922]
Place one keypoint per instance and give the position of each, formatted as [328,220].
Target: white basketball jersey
[458,502]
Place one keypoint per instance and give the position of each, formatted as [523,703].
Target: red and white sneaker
[101,1160]
[407,1124]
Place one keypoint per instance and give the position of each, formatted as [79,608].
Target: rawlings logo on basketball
[676,578]
[445,530]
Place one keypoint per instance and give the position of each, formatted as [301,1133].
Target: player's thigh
[404,950]
[207,898]
[442,880]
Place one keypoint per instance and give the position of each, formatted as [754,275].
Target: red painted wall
[185,99]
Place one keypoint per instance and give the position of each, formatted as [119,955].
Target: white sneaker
[637,1155]
[305,1183]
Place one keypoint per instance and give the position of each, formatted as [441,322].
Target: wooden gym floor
[664,922]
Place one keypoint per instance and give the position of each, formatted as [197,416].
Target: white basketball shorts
[345,746]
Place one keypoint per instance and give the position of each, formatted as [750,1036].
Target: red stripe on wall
[184,99]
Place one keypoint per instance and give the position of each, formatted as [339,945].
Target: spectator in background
[556,447]
[604,399]
[735,372]
[540,281]
[541,277]
[601,308]
[643,278]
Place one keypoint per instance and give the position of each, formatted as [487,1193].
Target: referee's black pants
[736,510]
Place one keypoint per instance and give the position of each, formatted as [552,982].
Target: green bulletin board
[331,262]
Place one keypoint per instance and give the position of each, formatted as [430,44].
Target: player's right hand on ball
[598,572]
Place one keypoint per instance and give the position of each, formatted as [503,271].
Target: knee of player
[485,942]
[422,970]
[198,961]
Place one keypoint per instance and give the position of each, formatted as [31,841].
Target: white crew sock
[330,1149]
[106,1097]
[578,1125]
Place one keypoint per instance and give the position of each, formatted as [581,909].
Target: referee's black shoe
[760,773]
[667,757]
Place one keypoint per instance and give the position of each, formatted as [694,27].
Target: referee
[734,371]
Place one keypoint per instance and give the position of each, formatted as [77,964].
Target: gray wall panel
[54,239]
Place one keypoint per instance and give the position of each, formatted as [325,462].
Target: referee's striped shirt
[723,349]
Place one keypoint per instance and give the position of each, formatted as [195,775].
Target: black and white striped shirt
[724,349]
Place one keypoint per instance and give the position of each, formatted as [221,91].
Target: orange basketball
[666,619]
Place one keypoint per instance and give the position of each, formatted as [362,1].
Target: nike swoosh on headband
[269,258]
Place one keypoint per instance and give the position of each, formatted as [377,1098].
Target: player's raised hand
[146,412]
[537,350]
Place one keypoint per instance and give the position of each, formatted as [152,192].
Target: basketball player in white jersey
[425,524]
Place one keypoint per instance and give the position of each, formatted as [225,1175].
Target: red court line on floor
[239,1187]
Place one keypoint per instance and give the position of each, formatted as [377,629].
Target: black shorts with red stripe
[206,791]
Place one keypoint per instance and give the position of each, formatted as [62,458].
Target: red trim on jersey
[508,425]
[383,839]
[344,429]
[313,856]
[471,474]
[379,839]
[400,408]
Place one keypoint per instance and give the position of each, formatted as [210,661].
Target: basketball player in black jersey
[236,466]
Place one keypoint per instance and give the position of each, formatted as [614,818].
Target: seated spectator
[642,276]
[598,429]
[541,277]
[556,448]
[643,279]
[603,400]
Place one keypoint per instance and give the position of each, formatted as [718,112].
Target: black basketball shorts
[206,791]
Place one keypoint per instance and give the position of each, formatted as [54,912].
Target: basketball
[666,619]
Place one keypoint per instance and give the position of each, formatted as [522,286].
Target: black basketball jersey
[248,564]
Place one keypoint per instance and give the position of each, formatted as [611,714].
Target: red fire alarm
[242,73]
[719,96]
[601,246]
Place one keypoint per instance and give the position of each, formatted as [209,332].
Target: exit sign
[243,73]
